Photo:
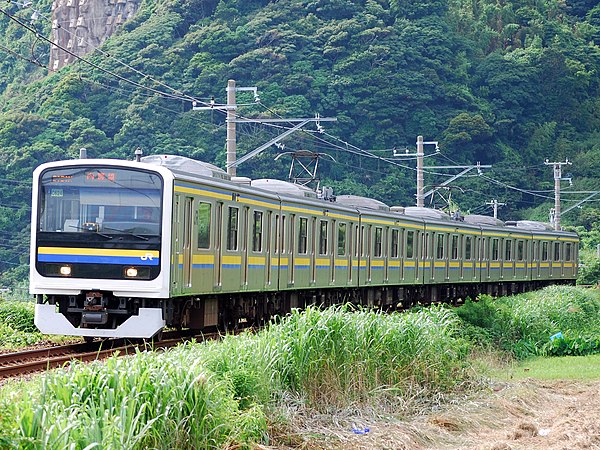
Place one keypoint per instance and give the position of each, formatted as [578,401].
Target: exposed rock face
[82,25]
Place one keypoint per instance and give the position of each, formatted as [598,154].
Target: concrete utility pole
[231,107]
[231,142]
[555,215]
[420,154]
[420,162]
[494,203]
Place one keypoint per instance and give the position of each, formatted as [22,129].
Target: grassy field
[555,368]
[243,390]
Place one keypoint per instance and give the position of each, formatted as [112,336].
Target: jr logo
[146,257]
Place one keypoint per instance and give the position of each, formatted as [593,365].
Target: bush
[523,324]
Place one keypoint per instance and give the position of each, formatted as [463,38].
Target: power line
[96,66]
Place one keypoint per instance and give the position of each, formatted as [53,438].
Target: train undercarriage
[100,313]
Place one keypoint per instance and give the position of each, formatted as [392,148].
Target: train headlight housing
[65,271]
[138,273]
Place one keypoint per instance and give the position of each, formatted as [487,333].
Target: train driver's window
[204,225]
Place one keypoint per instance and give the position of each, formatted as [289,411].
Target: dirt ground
[529,414]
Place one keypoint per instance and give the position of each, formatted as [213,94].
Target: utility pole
[555,215]
[494,203]
[420,162]
[231,142]
[420,155]
[231,107]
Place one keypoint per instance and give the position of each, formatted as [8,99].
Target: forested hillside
[507,83]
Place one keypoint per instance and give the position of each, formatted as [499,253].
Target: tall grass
[220,394]
[16,325]
[524,324]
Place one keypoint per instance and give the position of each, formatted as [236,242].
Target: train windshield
[105,200]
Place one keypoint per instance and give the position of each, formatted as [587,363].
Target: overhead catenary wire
[96,66]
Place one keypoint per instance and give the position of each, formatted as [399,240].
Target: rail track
[39,360]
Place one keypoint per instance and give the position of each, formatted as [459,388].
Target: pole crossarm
[449,180]
[322,119]
[580,202]
[258,150]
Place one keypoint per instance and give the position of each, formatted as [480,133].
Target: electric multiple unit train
[125,248]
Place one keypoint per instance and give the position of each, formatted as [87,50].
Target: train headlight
[138,273]
[65,271]
[131,272]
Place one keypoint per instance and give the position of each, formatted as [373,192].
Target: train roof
[283,187]
[187,166]
[361,202]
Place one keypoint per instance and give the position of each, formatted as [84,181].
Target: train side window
[557,251]
[495,250]
[303,235]
[507,250]
[468,247]
[544,251]
[394,249]
[454,247]
[410,242]
[204,216]
[323,238]
[341,240]
[257,231]
[520,250]
[378,237]
[568,251]
[232,229]
[439,254]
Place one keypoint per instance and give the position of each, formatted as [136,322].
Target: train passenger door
[218,279]
[182,262]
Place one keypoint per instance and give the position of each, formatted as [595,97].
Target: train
[126,248]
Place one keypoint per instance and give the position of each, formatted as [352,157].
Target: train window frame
[468,247]
[341,239]
[568,254]
[323,237]
[303,236]
[454,247]
[233,223]
[395,239]
[440,246]
[203,234]
[520,250]
[257,231]
[544,251]
[557,251]
[377,243]
[495,249]
[410,244]
[508,250]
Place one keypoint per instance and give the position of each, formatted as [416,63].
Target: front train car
[100,246]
